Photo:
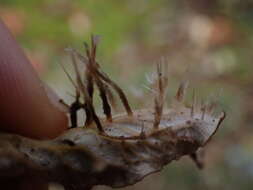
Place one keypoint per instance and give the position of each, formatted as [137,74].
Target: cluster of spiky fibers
[116,150]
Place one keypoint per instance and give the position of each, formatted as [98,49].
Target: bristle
[157,113]
[77,72]
[110,96]
[64,103]
[142,133]
[106,79]
[159,99]
[203,111]
[150,78]
[68,75]
[106,105]
[91,76]
[86,46]
[165,74]
[74,107]
[181,91]
[193,103]
[150,89]
[96,39]
[87,49]
[71,94]
[119,91]
[94,43]
[91,54]
[159,76]
[197,160]
[213,102]
[88,105]
[211,106]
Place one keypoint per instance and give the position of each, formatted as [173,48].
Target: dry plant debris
[116,150]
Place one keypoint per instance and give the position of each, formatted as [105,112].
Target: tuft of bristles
[94,76]
[117,150]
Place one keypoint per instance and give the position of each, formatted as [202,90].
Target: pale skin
[26,108]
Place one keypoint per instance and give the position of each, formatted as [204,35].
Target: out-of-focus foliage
[207,42]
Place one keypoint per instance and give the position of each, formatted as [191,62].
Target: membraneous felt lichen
[116,150]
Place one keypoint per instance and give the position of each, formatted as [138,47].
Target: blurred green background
[206,42]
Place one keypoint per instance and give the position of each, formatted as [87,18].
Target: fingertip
[26,108]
